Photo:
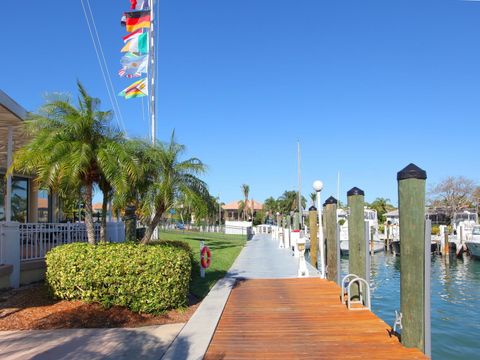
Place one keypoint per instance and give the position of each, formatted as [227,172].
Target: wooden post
[330,217]
[296,221]
[288,230]
[446,250]
[313,218]
[411,201]
[356,233]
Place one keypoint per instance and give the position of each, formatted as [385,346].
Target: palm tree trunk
[103,223]
[151,227]
[87,199]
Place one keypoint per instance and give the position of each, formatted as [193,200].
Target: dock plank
[299,319]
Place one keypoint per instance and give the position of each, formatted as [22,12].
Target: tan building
[231,210]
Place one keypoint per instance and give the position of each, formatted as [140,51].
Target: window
[42,208]
[19,198]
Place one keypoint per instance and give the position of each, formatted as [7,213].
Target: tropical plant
[288,202]
[382,206]
[166,178]
[245,191]
[73,148]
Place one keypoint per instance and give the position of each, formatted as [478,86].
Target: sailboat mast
[151,70]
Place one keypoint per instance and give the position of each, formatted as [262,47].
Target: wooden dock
[299,319]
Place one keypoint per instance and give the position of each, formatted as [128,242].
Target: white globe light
[317,185]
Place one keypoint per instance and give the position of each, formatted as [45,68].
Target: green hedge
[143,278]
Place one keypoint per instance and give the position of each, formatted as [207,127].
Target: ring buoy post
[205,258]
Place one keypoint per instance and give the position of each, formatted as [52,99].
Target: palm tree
[241,208]
[165,178]
[313,197]
[73,148]
[245,191]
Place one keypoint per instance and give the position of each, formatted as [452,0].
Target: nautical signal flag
[137,89]
[134,64]
[135,20]
[137,43]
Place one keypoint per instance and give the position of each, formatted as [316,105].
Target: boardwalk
[299,319]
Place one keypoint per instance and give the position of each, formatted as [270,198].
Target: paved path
[260,258]
[148,342]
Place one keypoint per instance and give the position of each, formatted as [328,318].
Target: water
[455,301]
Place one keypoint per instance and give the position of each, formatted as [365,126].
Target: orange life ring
[205,260]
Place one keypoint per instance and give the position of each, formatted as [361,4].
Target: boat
[462,224]
[370,215]
[473,243]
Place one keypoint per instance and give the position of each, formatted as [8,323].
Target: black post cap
[411,171]
[355,191]
[312,208]
[331,200]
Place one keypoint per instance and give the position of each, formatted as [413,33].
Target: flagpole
[151,71]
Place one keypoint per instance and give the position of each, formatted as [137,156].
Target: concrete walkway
[260,258]
[148,342]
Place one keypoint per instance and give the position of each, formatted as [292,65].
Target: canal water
[455,301]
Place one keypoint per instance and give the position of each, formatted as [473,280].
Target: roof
[234,205]
[11,105]
[391,213]
[11,116]
[42,203]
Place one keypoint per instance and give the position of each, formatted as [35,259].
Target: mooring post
[296,221]
[312,220]
[330,217]
[413,265]
[288,230]
[356,234]
[446,245]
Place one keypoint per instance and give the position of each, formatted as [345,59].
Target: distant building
[231,210]
[392,217]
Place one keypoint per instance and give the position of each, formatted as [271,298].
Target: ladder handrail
[345,281]
[362,296]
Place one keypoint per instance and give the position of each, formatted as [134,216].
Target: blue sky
[366,86]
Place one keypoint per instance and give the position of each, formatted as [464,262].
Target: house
[232,211]
[392,217]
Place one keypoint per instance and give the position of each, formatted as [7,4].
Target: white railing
[188,227]
[36,239]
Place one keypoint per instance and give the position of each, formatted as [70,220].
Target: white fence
[36,239]
[228,229]
[200,228]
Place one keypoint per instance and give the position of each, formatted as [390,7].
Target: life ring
[205,257]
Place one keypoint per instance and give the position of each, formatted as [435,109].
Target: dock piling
[415,265]
[330,219]
[312,219]
[357,243]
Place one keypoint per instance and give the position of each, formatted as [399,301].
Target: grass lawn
[224,249]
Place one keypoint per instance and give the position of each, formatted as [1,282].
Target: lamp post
[318,186]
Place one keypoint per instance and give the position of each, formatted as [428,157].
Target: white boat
[370,215]
[473,244]
[463,224]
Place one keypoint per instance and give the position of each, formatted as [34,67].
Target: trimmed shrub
[174,244]
[143,278]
